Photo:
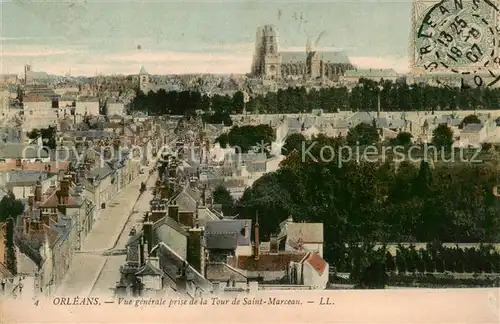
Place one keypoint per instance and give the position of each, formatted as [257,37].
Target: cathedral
[271,64]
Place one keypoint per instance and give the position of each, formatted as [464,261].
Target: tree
[363,134]
[374,276]
[442,137]
[48,136]
[223,197]
[11,261]
[293,142]
[471,119]
[402,139]
[248,137]
[10,207]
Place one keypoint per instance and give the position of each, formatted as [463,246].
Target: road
[109,274]
[88,264]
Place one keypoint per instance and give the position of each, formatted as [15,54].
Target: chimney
[195,249]
[181,280]
[38,192]
[274,243]
[142,258]
[26,224]
[148,235]
[157,214]
[65,188]
[173,212]
[256,252]
[186,218]
[81,173]
[45,219]
[204,195]
[73,177]
[31,202]
[216,287]
[247,230]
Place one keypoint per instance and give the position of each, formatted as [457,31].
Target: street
[110,272]
[107,233]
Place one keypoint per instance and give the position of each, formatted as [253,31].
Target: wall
[2,242]
[244,250]
[115,109]
[23,191]
[89,108]
[62,254]
[313,278]
[38,114]
[46,271]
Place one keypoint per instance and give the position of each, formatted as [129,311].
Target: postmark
[459,37]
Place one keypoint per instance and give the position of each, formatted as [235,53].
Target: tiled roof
[223,272]
[36,166]
[23,151]
[371,73]
[317,262]
[53,201]
[337,57]
[305,232]
[268,262]
[36,99]
[227,241]
[472,128]
[229,227]
[149,270]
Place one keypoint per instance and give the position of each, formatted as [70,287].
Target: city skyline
[118,37]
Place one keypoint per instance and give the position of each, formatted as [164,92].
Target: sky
[176,37]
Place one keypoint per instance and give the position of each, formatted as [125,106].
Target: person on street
[3,285]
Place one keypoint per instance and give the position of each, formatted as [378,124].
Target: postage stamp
[460,37]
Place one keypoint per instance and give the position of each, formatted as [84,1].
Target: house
[473,135]
[311,271]
[19,154]
[353,76]
[271,263]
[21,183]
[300,236]
[87,106]
[53,228]
[227,237]
[164,254]
[68,200]
[38,113]
[114,108]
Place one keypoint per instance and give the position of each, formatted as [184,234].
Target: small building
[115,108]
[87,106]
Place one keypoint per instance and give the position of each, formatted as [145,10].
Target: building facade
[272,64]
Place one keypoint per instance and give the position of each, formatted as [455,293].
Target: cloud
[184,62]
[14,39]
[399,64]
[34,51]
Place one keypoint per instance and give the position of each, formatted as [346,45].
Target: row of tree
[394,96]
[10,209]
[377,201]
[248,137]
[434,258]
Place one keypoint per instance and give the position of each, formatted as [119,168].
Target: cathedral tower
[144,80]
[267,59]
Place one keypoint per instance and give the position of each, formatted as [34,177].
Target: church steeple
[143,80]
[143,71]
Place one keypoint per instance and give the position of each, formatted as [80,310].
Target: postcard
[249,161]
